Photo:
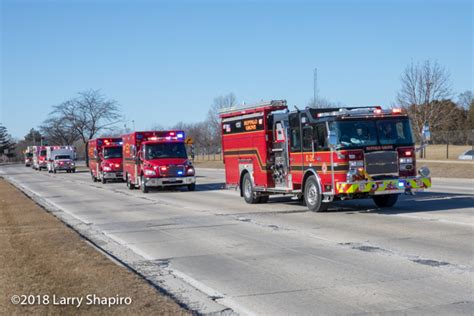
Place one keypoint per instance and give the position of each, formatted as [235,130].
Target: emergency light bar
[168,136]
[360,111]
[253,106]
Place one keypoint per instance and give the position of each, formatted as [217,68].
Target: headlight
[190,171]
[406,160]
[150,172]
[356,163]
[424,171]
[107,168]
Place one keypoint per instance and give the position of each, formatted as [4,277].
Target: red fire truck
[157,159]
[39,158]
[320,155]
[105,159]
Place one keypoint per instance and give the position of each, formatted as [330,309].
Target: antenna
[315,87]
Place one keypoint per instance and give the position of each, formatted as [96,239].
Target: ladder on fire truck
[253,106]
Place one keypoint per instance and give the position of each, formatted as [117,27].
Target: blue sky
[165,61]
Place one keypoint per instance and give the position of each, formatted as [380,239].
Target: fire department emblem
[324,168]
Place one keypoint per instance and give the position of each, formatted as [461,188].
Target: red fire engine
[157,159]
[320,155]
[39,158]
[105,159]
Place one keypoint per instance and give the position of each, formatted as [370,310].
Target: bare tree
[422,84]
[88,114]
[211,130]
[465,99]
[58,131]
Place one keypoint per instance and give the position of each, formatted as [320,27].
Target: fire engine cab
[105,159]
[157,159]
[320,155]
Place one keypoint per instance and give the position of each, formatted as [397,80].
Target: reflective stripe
[383,185]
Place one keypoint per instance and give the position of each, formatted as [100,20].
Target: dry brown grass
[449,170]
[438,152]
[40,255]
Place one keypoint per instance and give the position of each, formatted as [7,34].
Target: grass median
[42,256]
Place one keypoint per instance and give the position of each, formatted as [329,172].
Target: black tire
[263,199]
[130,185]
[312,195]
[143,186]
[94,179]
[250,196]
[102,179]
[74,170]
[387,200]
[54,170]
[192,187]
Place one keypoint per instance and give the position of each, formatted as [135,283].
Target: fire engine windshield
[165,150]
[43,152]
[59,157]
[112,152]
[359,133]
[29,155]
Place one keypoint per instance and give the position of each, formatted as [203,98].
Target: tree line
[425,93]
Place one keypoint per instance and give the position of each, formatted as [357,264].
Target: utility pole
[315,87]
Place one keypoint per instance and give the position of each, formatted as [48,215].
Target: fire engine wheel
[250,196]
[102,179]
[130,185]
[387,200]
[192,187]
[74,170]
[54,170]
[263,199]
[312,196]
[143,185]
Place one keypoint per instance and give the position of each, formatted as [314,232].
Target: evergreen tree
[6,144]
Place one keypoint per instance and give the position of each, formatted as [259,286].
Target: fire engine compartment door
[280,154]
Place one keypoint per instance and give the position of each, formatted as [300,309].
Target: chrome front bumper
[113,175]
[172,181]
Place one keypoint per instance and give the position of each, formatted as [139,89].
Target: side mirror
[425,133]
[332,139]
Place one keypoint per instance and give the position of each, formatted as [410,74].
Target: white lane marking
[39,197]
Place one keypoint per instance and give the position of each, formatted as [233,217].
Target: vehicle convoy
[29,156]
[320,155]
[105,159]
[61,158]
[157,159]
[39,158]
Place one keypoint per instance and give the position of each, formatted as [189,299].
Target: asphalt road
[277,258]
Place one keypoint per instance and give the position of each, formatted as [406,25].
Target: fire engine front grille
[381,162]
[173,171]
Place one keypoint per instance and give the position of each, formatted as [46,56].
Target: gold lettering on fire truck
[127,149]
[309,158]
[250,125]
